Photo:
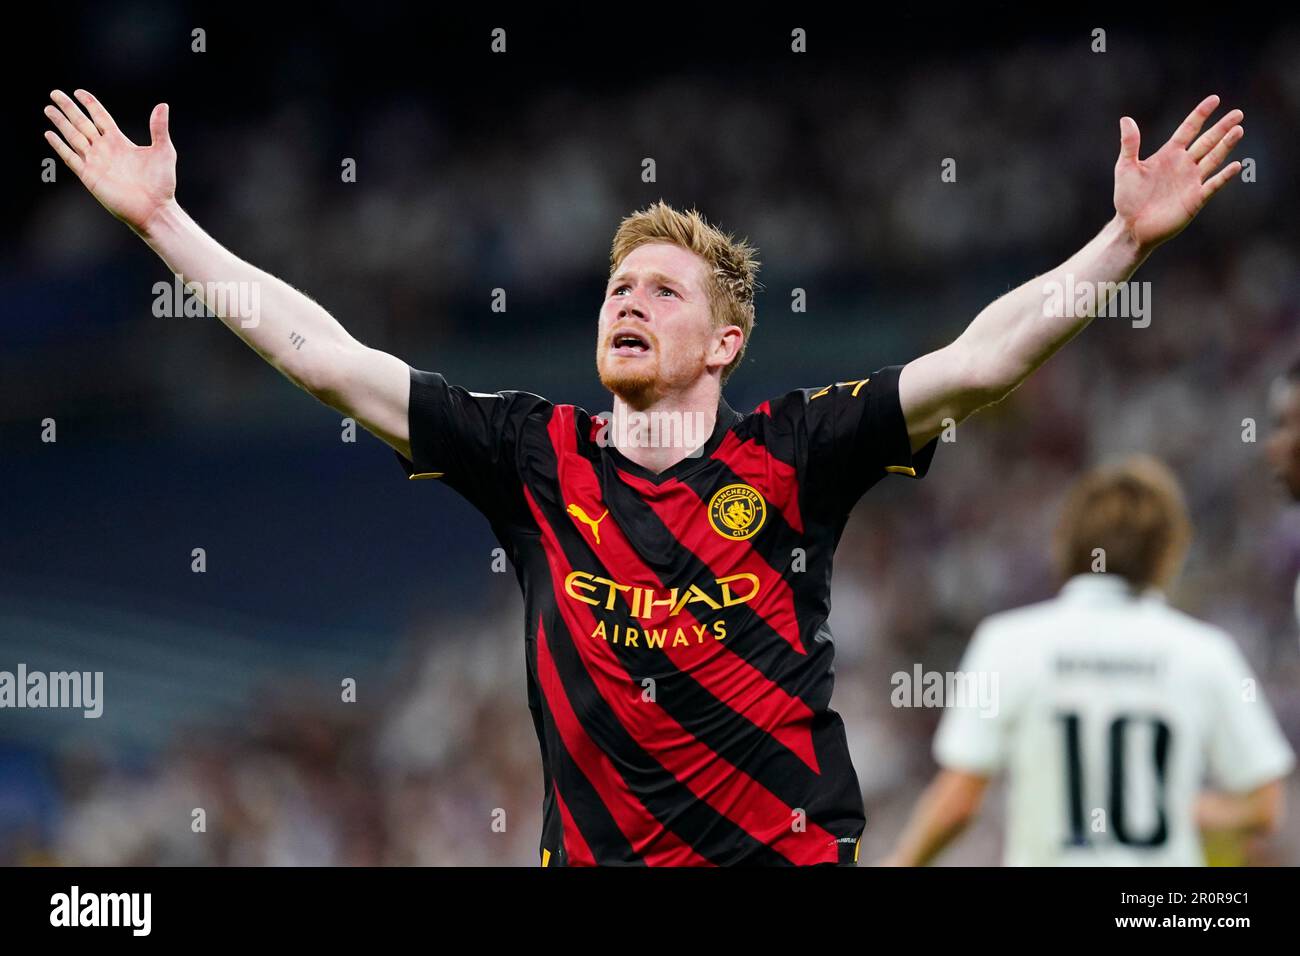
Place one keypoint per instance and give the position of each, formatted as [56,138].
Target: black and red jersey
[679,660]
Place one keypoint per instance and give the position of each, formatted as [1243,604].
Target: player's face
[1284,443]
[656,334]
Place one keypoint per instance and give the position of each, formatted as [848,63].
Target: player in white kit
[1125,727]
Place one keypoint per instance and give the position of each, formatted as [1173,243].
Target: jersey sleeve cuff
[897,457]
[428,391]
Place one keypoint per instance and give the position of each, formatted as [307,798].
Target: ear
[727,343]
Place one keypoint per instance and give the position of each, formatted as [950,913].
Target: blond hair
[733,265]
[1135,513]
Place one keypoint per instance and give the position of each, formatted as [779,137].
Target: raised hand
[132,182]
[1158,196]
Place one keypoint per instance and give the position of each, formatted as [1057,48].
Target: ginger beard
[633,378]
[643,377]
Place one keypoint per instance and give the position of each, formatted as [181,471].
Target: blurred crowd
[446,769]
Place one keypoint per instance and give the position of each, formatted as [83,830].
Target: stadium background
[477,172]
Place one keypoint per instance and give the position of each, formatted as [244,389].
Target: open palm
[132,182]
[1158,196]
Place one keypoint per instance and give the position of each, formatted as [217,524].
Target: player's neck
[663,433]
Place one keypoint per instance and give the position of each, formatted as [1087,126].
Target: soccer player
[1112,708]
[676,592]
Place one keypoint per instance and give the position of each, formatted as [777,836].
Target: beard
[635,381]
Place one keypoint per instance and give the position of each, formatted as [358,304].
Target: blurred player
[676,592]
[1112,708]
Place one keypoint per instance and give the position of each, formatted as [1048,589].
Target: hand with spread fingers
[1158,196]
[132,182]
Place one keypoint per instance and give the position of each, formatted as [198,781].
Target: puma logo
[577,512]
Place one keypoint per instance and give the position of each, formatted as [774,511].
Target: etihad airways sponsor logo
[656,638]
[602,592]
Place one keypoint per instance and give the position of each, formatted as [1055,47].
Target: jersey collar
[1106,589]
[726,418]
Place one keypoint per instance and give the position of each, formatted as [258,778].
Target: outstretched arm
[1155,199]
[137,184]
[945,809]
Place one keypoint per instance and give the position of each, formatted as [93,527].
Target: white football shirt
[1113,710]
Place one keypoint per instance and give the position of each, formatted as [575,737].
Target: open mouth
[628,343]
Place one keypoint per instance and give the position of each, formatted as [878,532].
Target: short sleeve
[973,732]
[469,440]
[1247,748]
[849,435]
